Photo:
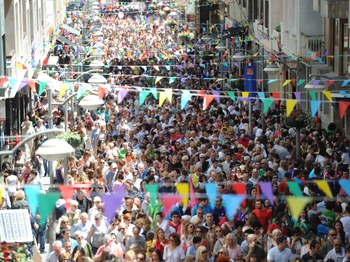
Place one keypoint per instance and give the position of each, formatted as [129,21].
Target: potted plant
[298,119]
[170,22]
[75,139]
[185,36]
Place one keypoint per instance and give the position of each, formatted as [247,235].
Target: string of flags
[43,203]
[163,94]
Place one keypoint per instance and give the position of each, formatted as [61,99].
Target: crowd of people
[135,145]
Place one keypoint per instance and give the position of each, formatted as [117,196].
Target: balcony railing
[312,45]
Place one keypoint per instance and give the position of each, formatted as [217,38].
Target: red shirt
[264,216]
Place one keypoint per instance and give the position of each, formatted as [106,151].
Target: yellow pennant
[286,82]
[245,95]
[158,79]
[323,185]
[290,104]
[167,93]
[328,95]
[183,190]
[297,204]
[63,89]
[156,68]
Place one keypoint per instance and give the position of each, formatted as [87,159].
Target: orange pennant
[276,96]
[343,106]
[207,100]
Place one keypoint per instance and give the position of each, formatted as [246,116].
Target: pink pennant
[169,200]
[193,199]
[67,194]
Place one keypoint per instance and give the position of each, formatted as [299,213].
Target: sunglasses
[218,231]
[204,252]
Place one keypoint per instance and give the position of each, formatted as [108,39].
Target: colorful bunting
[343,106]
[142,96]
[167,93]
[245,98]
[345,184]
[154,92]
[169,200]
[290,104]
[158,79]
[46,205]
[266,188]
[267,103]
[67,193]
[193,200]
[152,189]
[211,190]
[184,190]
[185,97]
[207,100]
[231,203]
[286,82]
[276,96]
[313,95]
[294,188]
[121,95]
[297,204]
[312,173]
[300,82]
[112,203]
[315,104]
[232,96]
[323,185]
[330,82]
[32,193]
[328,95]
[297,96]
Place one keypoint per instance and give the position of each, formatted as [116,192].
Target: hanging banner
[250,80]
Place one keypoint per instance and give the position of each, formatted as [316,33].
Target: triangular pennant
[239,188]
[290,104]
[286,82]
[163,95]
[32,194]
[154,92]
[343,106]
[156,68]
[42,86]
[193,200]
[169,200]
[344,93]
[12,82]
[185,97]
[294,188]
[207,100]
[201,93]
[300,82]
[152,189]
[345,83]
[46,205]
[267,103]
[211,190]
[31,84]
[276,96]
[158,79]
[183,190]
[67,193]
[112,204]
[313,95]
[63,89]
[297,96]
[328,95]
[323,185]
[297,204]
[312,173]
[217,96]
[101,92]
[143,95]
[122,94]
[266,188]
[261,96]
[232,96]
[232,203]
[272,81]
[345,184]
[315,83]
[172,80]
[330,82]
[315,104]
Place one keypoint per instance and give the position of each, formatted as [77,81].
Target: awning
[70,29]
[51,82]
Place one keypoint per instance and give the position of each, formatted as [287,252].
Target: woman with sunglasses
[187,236]
[202,254]
[219,243]
[82,245]
[173,251]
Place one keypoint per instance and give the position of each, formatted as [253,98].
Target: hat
[114,165]
[184,158]
[222,258]
[242,167]
[246,158]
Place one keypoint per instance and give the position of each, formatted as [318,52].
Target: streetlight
[221,47]
[55,149]
[96,79]
[91,102]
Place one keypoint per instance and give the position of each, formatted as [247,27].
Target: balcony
[263,37]
[332,8]
[314,44]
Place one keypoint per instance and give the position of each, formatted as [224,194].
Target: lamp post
[221,47]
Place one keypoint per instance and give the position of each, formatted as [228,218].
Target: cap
[114,165]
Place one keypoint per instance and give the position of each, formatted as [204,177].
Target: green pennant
[143,96]
[300,82]
[152,189]
[232,96]
[46,205]
[172,80]
[313,95]
[42,86]
[295,189]
[267,102]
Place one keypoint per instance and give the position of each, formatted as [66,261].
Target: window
[24,18]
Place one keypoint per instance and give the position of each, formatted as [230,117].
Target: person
[96,234]
[263,214]
[83,244]
[313,254]
[56,252]
[202,254]
[338,252]
[173,251]
[12,184]
[137,240]
[109,245]
[192,250]
[280,253]
[79,255]
[160,240]
[253,248]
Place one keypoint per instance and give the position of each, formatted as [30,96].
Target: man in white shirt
[55,254]
[337,253]
[280,253]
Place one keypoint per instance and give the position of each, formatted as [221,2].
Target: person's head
[67,245]
[160,233]
[189,229]
[97,200]
[175,217]
[136,232]
[156,256]
[200,213]
[231,240]
[65,233]
[196,241]
[79,251]
[202,253]
[347,251]
[174,239]
[337,244]
[98,218]
[276,233]
[209,218]
[140,257]
[129,256]
[259,204]
[281,242]
[338,225]
[84,217]
[314,246]
[223,251]
[332,234]
[57,247]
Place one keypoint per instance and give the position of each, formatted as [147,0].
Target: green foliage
[72,138]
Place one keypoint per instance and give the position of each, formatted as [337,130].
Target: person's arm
[88,238]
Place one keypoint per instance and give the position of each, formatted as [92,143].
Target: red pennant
[23,66]
[258,193]
[207,100]
[342,108]
[276,96]
[101,92]
[239,188]
[67,194]
[31,84]
[201,93]
[330,82]
[3,80]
